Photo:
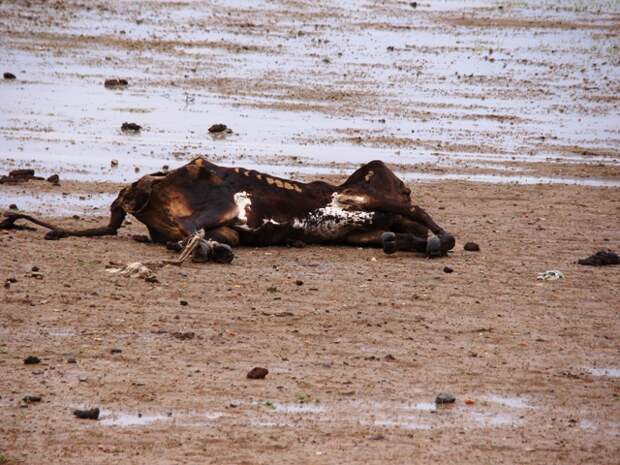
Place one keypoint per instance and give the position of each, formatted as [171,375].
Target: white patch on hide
[266,221]
[242,199]
[334,221]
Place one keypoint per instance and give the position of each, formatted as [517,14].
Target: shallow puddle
[361,82]
[608,372]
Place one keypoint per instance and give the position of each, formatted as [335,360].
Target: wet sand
[518,152]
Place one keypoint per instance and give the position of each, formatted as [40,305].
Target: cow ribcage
[333,222]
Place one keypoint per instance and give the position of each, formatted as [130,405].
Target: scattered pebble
[299,282]
[32,360]
[389,358]
[9,76]
[445,398]
[116,350]
[183,303]
[447,269]
[71,360]
[376,437]
[115,83]
[114,163]
[601,258]
[31,399]
[13,207]
[472,247]
[89,414]
[219,127]
[184,336]
[257,373]
[130,127]
[54,179]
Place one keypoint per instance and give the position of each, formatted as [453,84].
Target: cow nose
[406,191]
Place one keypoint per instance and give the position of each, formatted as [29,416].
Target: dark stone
[257,373]
[219,127]
[71,360]
[130,127]
[31,399]
[54,179]
[447,269]
[34,269]
[9,76]
[89,414]
[115,83]
[445,398]
[601,258]
[141,238]
[299,282]
[116,350]
[183,303]
[472,247]
[13,207]
[413,4]
[32,360]
[376,437]
[389,358]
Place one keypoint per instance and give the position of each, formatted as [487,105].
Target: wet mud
[502,117]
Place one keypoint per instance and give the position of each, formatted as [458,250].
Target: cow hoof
[221,253]
[433,247]
[201,253]
[55,234]
[447,243]
[389,242]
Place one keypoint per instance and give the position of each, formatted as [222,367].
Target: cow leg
[217,246]
[389,241]
[116,220]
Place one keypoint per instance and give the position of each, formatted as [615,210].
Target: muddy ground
[517,151]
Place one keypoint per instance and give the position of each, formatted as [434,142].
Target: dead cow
[235,206]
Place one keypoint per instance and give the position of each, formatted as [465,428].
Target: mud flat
[502,117]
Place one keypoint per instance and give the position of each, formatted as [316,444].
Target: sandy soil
[358,344]
[521,350]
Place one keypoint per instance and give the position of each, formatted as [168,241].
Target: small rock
[219,127]
[54,179]
[9,76]
[447,269]
[413,4]
[13,207]
[183,303]
[89,414]
[390,48]
[257,373]
[32,360]
[31,399]
[34,269]
[184,336]
[299,282]
[472,247]
[115,83]
[445,398]
[130,127]
[114,163]
[71,360]
[376,437]
[389,358]
[601,258]
[116,350]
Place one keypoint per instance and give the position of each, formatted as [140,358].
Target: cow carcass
[235,206]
